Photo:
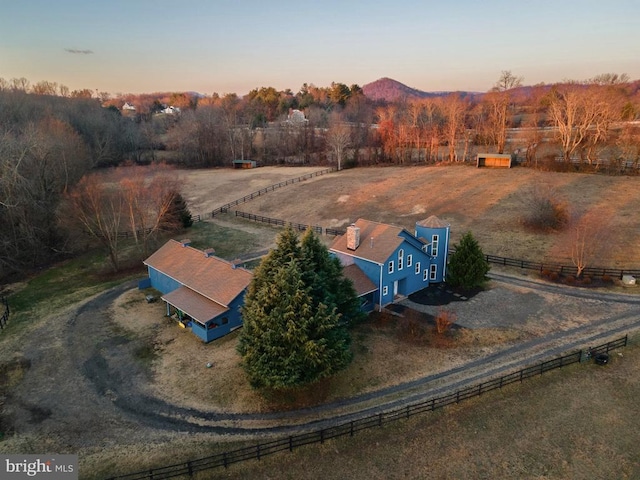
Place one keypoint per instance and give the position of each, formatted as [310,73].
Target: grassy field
[581,422]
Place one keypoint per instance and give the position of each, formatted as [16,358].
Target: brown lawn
[487,202]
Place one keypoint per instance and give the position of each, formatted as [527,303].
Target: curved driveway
[106,364]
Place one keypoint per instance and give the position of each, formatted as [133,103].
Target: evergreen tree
[177,215]
[323,274]
[292,335]
[467,265]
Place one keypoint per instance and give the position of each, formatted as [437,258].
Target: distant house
[385,261]
[201,291]
[128,106]
[494,160]
[171,110]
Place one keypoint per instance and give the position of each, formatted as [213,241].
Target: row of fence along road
[263,449]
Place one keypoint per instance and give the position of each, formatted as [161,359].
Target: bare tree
[575,109]
[338,139]
[454,109]
[98,205]
[498,102]
[588,238]
[147,193]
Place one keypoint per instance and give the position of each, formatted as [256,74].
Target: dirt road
[87,388]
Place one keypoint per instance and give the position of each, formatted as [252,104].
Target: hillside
[390,90]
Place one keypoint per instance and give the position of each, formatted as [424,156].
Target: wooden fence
[560,269]
[225,208]
[263,449]
[301,227]
[5,316]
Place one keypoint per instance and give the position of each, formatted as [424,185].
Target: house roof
[195,305]
[378,241]
[361,282]
[209,276]
[432,222]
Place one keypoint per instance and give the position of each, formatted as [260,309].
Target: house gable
[206,288]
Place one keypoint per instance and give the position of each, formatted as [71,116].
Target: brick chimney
[353,237]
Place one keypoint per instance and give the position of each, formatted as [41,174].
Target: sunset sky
[224,46]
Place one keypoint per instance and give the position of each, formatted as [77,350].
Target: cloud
[75,50]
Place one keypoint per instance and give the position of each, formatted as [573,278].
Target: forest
[58,144]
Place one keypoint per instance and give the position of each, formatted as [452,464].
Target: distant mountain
[390,90]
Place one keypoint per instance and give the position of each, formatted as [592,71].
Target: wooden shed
[493,160]
[244,164]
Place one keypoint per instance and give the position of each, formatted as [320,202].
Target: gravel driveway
[86,389]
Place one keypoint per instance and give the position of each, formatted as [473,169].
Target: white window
[425,274]
[417,268]
[385,291]
[433,272]
[434,246]
[400,259]
[409,260]
[391,266]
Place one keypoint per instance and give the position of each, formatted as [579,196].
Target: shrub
[546,273]
[444,320]
[607,279]
[586,280]
[553,276]
[544,209]
[570,280]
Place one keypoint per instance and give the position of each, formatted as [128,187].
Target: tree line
[52,137]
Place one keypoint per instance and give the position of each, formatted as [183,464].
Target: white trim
[390,267]
[385,291]
[433,271]
[435,240]
[409,260]
[425,275]
[417,268]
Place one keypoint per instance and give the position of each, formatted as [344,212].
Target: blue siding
[439,257]
[407,280]
[165,284]
[161,282]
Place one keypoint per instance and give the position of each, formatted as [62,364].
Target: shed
[244,164]
[493,160]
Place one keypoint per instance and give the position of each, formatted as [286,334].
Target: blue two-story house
[200,289]
[396,262]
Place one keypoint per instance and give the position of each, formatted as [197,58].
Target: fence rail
[276,221]
[350,428]
[559,268]
[5,316]
[226,207]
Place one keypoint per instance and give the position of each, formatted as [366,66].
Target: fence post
[224,459]
[290,443]
[258,451]
[190,469]
[322,435]
[625,340]
[351,429]
[380,419]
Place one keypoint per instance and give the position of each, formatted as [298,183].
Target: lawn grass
[79,278]
[579,422]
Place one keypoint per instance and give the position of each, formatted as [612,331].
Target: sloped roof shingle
[378,241]
[211,277]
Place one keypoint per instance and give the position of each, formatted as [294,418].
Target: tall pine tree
[323,274]
[293,334]
[467,267]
